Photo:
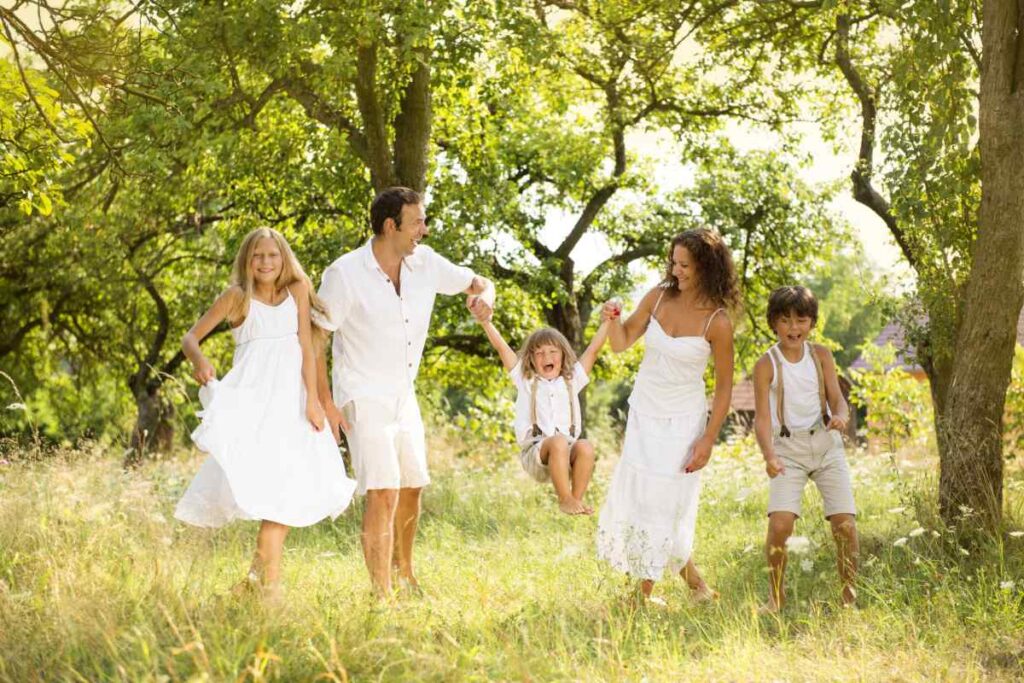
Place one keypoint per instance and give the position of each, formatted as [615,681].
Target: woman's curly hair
[717,274]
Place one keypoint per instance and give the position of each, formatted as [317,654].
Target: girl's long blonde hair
[546,335]
[291,272]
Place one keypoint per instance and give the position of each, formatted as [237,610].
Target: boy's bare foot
[571,506]
[849,596]
[769,607]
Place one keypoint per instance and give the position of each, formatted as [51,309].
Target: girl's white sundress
[265,460]
[646,526]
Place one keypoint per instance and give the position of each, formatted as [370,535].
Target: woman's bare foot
[571,506]
[702,594]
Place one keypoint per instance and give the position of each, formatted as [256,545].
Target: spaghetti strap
[657,303]
[707,323]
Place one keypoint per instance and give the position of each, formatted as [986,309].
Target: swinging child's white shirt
[553,408]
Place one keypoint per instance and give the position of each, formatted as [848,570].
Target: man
[380,298]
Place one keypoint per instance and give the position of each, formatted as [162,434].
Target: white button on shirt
[553,408]
[378,334]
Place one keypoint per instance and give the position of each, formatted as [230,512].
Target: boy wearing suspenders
[799,418]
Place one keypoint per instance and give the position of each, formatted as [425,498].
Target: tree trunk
[971,460]
[153,431]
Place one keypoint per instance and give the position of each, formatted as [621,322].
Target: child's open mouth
[549,367]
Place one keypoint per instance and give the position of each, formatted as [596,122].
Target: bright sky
[826,166]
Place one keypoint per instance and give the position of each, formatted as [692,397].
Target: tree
[952,206]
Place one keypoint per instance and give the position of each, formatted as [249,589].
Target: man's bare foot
[273,595]
[849,596]
[409,585]
[571,506]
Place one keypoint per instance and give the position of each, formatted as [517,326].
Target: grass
[98,582]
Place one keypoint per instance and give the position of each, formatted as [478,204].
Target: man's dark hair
[797,301]
[388,204]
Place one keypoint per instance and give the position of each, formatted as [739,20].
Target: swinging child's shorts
[529,458]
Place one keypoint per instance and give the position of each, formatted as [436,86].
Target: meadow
[98,582]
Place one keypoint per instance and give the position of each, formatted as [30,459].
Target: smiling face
[412,228]
[266,261]
[684,269]
[792,330]
[547,360]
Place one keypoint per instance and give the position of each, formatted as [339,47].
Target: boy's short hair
[792,300]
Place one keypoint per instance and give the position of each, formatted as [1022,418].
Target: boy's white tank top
[803,406]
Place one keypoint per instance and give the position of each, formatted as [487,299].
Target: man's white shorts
[387,442]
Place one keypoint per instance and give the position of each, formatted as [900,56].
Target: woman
[646,526]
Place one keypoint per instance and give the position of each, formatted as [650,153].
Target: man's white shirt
[379,335]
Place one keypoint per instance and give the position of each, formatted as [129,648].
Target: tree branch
[863,190]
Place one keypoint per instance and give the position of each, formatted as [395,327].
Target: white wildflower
[935,533]
[807,565]
[798,544]
[1007,585]
[897,511]
[916,532]
[963,551]
[902,540]
[570,551]
[17,406]
[1016,534]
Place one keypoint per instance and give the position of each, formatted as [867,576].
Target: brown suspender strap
[780,391]
[536,430]
[821,384]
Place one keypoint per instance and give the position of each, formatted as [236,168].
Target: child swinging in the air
[548,418]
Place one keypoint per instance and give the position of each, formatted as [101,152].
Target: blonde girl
[548,423]
[270,457]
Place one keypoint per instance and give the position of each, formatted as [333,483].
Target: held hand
[773,466]
[203,371]
[837,423]
[479,308]
[611,310]
[315,414]
[336,421]
[701,454]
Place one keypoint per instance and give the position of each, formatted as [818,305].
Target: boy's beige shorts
[817,455]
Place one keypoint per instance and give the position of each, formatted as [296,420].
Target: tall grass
[98,582]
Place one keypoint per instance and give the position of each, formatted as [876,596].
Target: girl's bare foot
[571,506]
[247,586]
[849,596]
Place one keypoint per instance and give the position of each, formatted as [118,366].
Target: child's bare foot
[849,596]
[770,606]
[571,506]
